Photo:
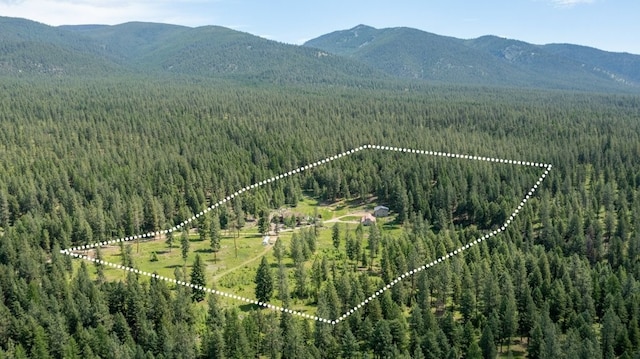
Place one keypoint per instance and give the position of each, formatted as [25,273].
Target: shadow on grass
[204,250]
[173,266]
[249,307]
[392,225]
[275,265]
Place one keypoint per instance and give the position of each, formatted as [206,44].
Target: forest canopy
[88,161]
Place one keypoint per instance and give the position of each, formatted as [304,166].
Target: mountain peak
[362,27]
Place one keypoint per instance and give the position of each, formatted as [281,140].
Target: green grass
[249,246]
[235,274]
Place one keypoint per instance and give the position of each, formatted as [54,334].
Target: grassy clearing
[235,274]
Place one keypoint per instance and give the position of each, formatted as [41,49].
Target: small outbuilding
[266,240]
[367,220]
[381,211]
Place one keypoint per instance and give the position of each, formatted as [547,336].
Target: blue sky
[611,25]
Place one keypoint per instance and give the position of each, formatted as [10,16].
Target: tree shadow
[275,265]
[249,307]
[173,266]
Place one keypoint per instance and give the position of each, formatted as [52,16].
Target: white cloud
[570,3]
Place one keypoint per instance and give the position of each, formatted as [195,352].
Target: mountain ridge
[362,54]
[412,53]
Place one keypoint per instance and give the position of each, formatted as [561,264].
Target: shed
[381,211]
[367,220]
[266,240]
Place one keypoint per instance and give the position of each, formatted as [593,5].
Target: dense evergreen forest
[95,159]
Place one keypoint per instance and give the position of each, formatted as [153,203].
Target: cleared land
[235,273]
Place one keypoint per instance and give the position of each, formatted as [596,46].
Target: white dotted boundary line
[291,173]
[450,254]
[71,251]
[187,284]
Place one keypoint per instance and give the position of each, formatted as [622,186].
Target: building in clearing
[266,240]
[381,211]
[367,220]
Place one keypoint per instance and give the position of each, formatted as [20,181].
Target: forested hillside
[93,160]
[30,49]
[487,60]
[362,56]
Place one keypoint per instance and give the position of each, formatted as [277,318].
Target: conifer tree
[198,279]
[185,244]
[283,285]
[301,280]
[487,343]
[335,235]
[264,281]
[278,250]
[169,239]
[214,236]
[263,223]
[204,228]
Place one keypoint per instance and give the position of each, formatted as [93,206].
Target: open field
[235,272]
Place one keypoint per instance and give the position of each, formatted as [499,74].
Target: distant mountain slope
[32,48]
[213,50]
[129,40]
[488,60]
[361,55]
[160,49]
[619,66]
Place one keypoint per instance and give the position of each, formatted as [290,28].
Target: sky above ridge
[610,25]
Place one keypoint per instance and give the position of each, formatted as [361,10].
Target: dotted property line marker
[72,251]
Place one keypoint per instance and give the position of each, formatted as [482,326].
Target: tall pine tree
[198,279]
[264,281]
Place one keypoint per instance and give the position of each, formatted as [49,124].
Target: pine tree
[381,340]
[374,240]
[169,240]
[293,342]
[271,342]
[335,235]
[99,266]
[316,277]
[264,281]
[487,343]
[235,338]
[278,250]
[610,324]
[310,239]
[301,280]
[474,352]
[349,344]
[214,237]
[297,250]
[283,285]
[184,244]
[215,316]
[5,213]
[214,345]
[204,228]
[263,223]
[508,315]
[350,244]
[536,342]
[198,279]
